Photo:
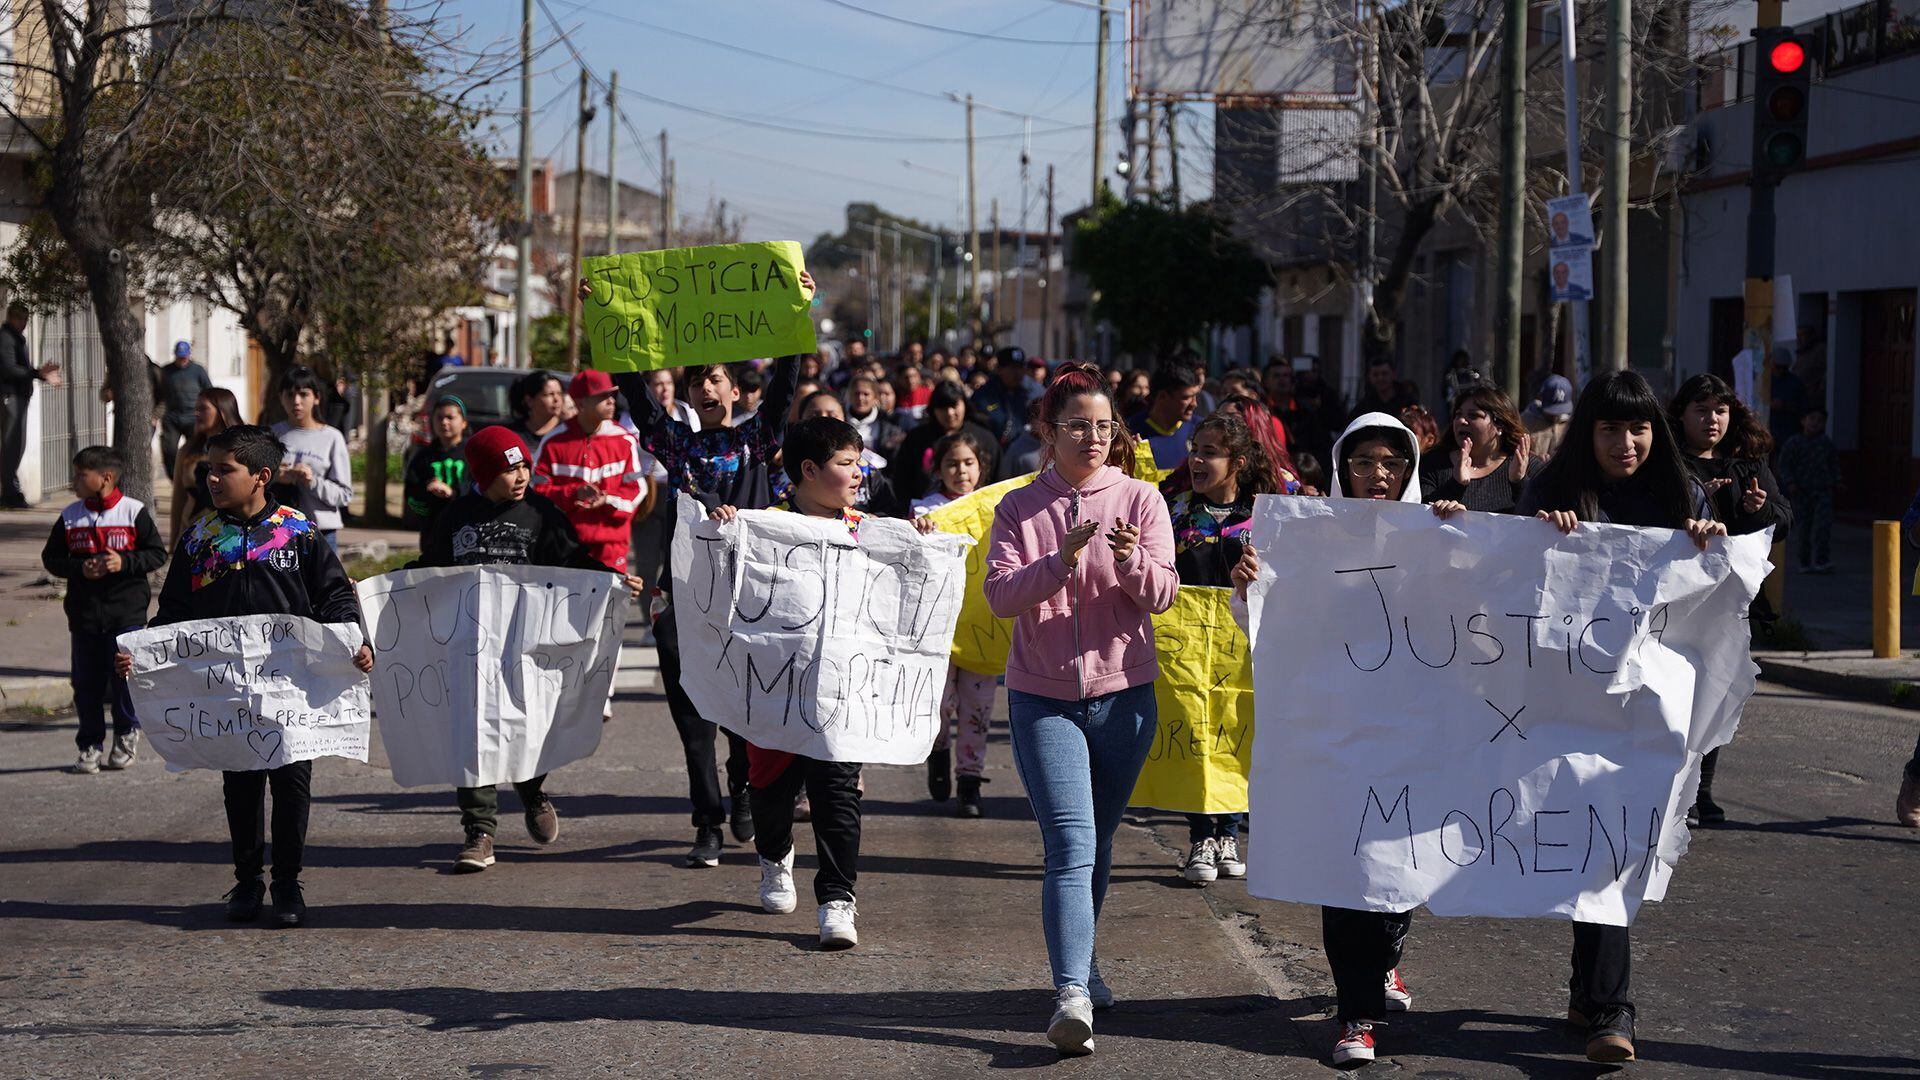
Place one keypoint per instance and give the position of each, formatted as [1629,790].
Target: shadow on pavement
[960,1019]
[1823,828]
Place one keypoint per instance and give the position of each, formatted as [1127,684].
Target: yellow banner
[1200,755]
[980,641]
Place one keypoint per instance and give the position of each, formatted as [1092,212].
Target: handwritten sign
[1204,747]
[797,637]
[250,692]
[1483,715]
[698,305]
[491,674]
[980,640]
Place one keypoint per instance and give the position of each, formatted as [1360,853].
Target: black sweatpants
[1362,946]
[833,789]
[1602,978]
[697,736]
[246,796]
[95,684]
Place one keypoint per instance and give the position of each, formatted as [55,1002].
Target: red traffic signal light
[1787,57]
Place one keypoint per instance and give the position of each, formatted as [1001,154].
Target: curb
[50,694]
[1872,689]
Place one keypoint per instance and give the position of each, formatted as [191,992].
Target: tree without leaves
[1161,276]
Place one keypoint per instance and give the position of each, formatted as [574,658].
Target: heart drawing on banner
[264,743]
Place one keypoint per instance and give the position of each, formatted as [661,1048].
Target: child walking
[1211,521]
[104,545]
[437,472]
[590,469]
[822,458]
[1620,464]
[317,475]
[499,520]
[1081,668]
[252,556]
[967,701]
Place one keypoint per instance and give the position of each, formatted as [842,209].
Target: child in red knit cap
[499,520]
[590,469]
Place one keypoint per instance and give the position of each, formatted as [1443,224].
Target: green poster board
[697,305]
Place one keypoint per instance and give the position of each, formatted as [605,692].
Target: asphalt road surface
[1789,945]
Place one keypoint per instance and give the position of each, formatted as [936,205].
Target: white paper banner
[251,692]
[491,674]
[1483,715]
[799,639]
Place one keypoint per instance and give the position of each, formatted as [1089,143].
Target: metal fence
[71,414]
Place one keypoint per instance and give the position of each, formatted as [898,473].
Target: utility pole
[1173,151]
[1570,78]
[1020,245]
[579,222]
[998,278]
[1613,252]
[973,220]
[613,153]
[899,287]
[1760,245]
[666,193]
[933,294]
[1046,268]
[1513,192]
[1153,148]
[523,278]
[1100,104]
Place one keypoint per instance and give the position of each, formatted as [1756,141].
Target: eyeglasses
[1391,466]
[1086,430]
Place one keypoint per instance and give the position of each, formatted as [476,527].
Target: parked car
[484,390]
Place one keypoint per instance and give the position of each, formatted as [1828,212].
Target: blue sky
[792,185]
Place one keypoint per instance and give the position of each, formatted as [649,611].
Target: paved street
[1784,950]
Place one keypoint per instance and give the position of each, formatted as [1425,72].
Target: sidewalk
[1836,615]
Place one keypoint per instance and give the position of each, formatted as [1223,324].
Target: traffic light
[1783,75]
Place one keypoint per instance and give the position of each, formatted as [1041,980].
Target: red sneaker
[1355,1042]
[1399,998]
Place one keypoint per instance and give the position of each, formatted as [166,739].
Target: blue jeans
[1078,761]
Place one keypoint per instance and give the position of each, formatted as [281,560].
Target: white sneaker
[1071,1029]
[125,749]
[89,762]
[1399,998]
[776,885]
[1227,850]
[1355,1042]
[836,924]
[1203,863]
[1098,991]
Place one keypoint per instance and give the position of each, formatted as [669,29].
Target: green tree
[1161,275]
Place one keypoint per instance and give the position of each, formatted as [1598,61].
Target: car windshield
[483,395]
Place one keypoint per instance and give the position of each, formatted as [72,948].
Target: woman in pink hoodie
[1081,670]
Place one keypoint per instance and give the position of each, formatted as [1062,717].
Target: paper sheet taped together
[1483,715]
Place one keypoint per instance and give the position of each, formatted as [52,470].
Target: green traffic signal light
[1784,150]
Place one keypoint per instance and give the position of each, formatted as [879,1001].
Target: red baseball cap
[590,383]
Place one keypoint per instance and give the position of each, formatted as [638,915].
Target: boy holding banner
[499,520]
[720,463]
[252,556]
[822,458]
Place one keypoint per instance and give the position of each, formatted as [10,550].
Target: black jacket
[16,366]
[275,562]
[473,530]
[429,463]
[118,601]
[1726,502]
[913,475]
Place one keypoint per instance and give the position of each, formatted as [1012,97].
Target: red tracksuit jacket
[609,460]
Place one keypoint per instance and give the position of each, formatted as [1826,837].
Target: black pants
[246,794]
[1602,970]
[95,684]
[697,736]
[1212,827]
[833,789]
[172,433]
[1362,946]
[480,806]
[13,447]
[651,534]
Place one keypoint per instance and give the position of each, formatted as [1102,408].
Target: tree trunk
[281,351]
[1383,319]
[373,397]
[84,227]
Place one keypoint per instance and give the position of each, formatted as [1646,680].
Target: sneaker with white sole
[89,762]
[1227,857]
[1203,863]
[836,925]
[1399,998]
[125,749]
[1355,1042]
[1071,1029]
[776,885]
[1098,991]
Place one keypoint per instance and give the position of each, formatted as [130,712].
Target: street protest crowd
[1113,491]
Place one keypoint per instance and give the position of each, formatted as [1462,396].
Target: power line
[824,172]
[579,5]
[977,35]
[860,134]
